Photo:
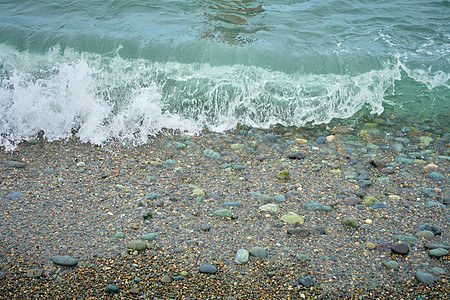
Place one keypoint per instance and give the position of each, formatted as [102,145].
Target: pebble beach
[326,212]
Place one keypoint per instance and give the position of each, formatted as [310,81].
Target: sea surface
[107,70]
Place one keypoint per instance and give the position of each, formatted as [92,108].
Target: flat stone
[292,218]
[379,164]
[16,164]
[241,256]
[148,236]
[232,204]
[35,273]
[166,279]
[306,281]
[111,288]
[370,200]
[436,176]
[296,155]
[435,246]
[400,249]
[438,271]
[434,203]
[205,227]
[314,206]
[65,261]
[425,277]
[137,246]
[258,252]
[119,235]
[408,239]
[270,207]
[223,213]
[391,264]
[283,175]
[438,252]
[208,269]
[212,154]
[303,257]
[298,231]
[426,234]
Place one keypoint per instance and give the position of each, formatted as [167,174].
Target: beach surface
[322,213]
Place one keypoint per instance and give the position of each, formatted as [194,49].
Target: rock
[111,288]
[166,279]
[341,130]
[436,176]
[239,167]
[35,273]
[391,264]
[270,207]
[258,252]
[16,164]
[137,246]
[296,155]
[292,218]
[237,146]
[65,261]
[14,195]
[178,278]
[352,201]
[434,203]
[153,196]
[314,206]
[318,230]
[198,192]
[426,234]
[438,252]
[400,249]
[321,140]
[223,213]
[208,269]
[438,271]
[279,198]
[369,200]
[283,175]
[425,277]
[205,227]
[371,245]
[263,198]
[379,205]
[179,145]
[148,236]
[179,250]
[147,215]
[298,231]
[435,246]
[232,204]
[408,239]
[436,230]
[379,164]
[430,192]
[212,154]
[303,258]
[241,256]
[387,170]
[306,281]
[350,222]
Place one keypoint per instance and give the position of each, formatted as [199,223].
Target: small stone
[300,232]
[292,218]
[438,271]
[425,277]
[212,154]
[179,250]
[232,204]
[438,252]
[148,236]
[35,273]
[371,245]
[350,222]
[17,164]
[2,275]
[306,281]
[147,215]
[436,176]
[379,164]
[111,288]
[314,206]
[65,261]
[391,264]
[166,279]
[283,175]
[208,269]
[223,213]
[119,235]
[296,155]
[241,256]
[258,252]
[270,207]
[435,246]
[400,249]
[426,234]
[408,239]
[370,200]
[205,227]
[137,246]
[303,258]
[321,140]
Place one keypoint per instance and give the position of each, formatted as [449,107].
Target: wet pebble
[65,261]
[400,249]
[425,277]
[208,269]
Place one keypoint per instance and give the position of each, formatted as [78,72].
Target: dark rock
[65,261]
[208,269]
[350,222]
[306,281]
[379,164]
[318,230]
[2,275]
[258,252]
[147,215]
[111,288]
[298,231]
[400,249]
[178,277]
[296,155]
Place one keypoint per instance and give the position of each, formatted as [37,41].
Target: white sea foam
[99,98]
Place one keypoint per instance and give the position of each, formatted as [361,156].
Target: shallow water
[125,69]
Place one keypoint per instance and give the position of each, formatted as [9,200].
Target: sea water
[107,70]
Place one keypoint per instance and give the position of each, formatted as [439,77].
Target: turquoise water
[126,69]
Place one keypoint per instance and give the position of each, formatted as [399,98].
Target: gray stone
[298,231]
[208,269]
[408,239]
[166,279]
[35,273]
[391,264]
[426,234]
[438,271]
[430,192]
[17,164]
[306,281]
[314,206]
[434,203]
[2,275]
[65,261]
[379,205]
[438,252]
[137,246]
[148,236]
[263,198]
[119,235]
[303,257]
[111,288]
[435,246]
[232,204]
[212,154]
[270,207]
[147,215]
[258,252]
[436,176]
[400,249]
[279,198]
[241,256]
[425,277]
[223,213]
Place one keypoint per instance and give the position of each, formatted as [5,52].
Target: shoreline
[72,199]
